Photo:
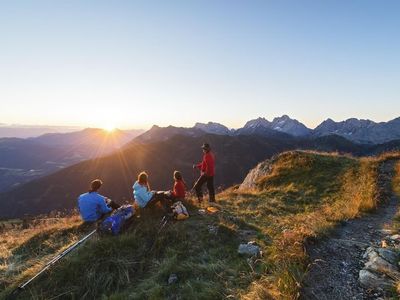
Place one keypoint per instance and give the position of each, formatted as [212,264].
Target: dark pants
[159,197]
[210,186]
[113,205]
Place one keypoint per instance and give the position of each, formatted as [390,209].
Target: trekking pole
[162,224]
[21,287]
[193,179]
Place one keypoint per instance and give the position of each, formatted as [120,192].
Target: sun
[110,127]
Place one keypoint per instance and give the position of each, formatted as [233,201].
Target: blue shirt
[141,194]
[92,206]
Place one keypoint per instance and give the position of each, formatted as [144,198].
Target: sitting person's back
[142,194]
[92,206]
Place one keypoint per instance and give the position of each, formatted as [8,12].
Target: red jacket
[207,166]
[179,189]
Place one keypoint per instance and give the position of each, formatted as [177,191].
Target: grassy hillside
[396,179]
[396,189]
[304,196]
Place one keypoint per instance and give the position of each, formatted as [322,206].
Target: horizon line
[182,126]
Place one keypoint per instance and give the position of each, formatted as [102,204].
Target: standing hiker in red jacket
[207,172]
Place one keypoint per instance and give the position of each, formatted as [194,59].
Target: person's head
[177,175]
[206,147]
[95,185]
[143,178]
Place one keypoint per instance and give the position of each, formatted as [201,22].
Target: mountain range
[26,131]
[355,130]
[22,160]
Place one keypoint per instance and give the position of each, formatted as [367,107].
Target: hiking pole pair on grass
[21,287]
[165,219]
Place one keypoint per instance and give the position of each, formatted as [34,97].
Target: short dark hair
[206,147]
[177,175]
[95,185]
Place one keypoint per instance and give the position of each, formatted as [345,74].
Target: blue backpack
[113,224]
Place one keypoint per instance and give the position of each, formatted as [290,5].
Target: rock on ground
[371,280]
[262,169]
[173,278]
[249,249]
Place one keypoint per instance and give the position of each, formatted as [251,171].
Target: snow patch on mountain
[214,128]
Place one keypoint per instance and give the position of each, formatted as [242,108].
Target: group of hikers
[93,206]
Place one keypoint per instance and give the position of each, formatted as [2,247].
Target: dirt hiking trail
[337,260]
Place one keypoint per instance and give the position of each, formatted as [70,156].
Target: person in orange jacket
[207,172]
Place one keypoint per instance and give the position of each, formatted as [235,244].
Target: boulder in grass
[212,229]
[249,249]
[261,170]
[173,278]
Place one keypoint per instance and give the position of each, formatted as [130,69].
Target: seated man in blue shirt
[93,206]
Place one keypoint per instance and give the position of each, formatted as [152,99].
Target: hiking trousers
[162,197]
[113,204]
[210,186]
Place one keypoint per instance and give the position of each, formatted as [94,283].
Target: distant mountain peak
[282,118]
[290,126]
[329,120]
[360,130]
[213,127]
[259,122]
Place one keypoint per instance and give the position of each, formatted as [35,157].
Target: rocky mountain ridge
[356,130]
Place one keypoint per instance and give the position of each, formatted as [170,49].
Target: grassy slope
[304,196]
[396,190]
[396,179]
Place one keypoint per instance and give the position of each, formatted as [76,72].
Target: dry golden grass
[396,179]
[17,260]
[304,196]
[396,190]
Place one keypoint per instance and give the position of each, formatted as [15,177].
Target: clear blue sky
[137,63]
